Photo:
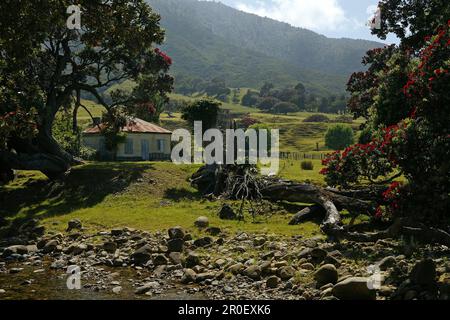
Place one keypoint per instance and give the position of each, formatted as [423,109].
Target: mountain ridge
[209,39]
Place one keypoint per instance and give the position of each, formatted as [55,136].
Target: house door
[145,150]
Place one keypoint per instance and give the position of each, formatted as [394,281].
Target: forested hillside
[208,40]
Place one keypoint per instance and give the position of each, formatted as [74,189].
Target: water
[51,285]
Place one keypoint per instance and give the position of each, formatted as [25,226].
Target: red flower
[378,212]
[164,56]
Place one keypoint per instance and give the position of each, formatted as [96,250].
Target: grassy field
[156,196]
[148,196]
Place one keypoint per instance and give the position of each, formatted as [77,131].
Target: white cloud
[323,15]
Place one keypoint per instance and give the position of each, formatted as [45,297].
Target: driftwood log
[226,181]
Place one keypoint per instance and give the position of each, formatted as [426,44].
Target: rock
[201,222]
[287,272]
[203,242]
[2,291]
[110,246]
[205,276]
[387,262]
[228,289]
[219,263]
[74,224]
[175,245]
[58,264]
[304,253]
[32,248]
[242,237]
[424,273]
[116,232]
[50,246]
[227,213]
[117,289]
[79,249]
[332,260]
[16,249]
[176,233]
[189,276]
[410,295]
[15,270]
[259,241]
[307,266]
[272,282]
[147,287]
[142,255]
[214,231]
[326,274]
[236,268]
[175,257]
[354,288]
[191,260]
[253,272]
[318,254]
[160,260]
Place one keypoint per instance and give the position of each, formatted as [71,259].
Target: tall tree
[43,64]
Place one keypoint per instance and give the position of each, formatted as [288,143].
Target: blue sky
[333,18]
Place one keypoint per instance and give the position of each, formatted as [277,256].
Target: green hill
[208,39]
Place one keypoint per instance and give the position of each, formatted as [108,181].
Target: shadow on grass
[179,194]
[84,187]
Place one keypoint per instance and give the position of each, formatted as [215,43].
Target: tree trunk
[75,113]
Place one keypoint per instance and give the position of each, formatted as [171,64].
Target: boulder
[272,282]
[424,273]
[74,224]
[50,246]
[160,260]
[203,242]
[227,213]
[189,276]
[287,272]
[175,245]
[387,262]
[176,233]
[142,255]
[326,274]
[116,232]
[236,268]
[253,272]
[175,257]
[191,260]
[110,246]
[354,288]
[201,222]
[214,231]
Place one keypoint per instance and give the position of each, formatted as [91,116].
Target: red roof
[134,125]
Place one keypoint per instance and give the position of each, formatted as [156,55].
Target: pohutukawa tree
[404,96]
[44,66]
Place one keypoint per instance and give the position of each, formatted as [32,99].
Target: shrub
[343,119]
[307,165]
[285,108]
[339,137]
[317,118]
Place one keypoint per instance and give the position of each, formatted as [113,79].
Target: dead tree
[221,180]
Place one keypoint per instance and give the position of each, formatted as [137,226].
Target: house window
[129,146]
[160,145]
